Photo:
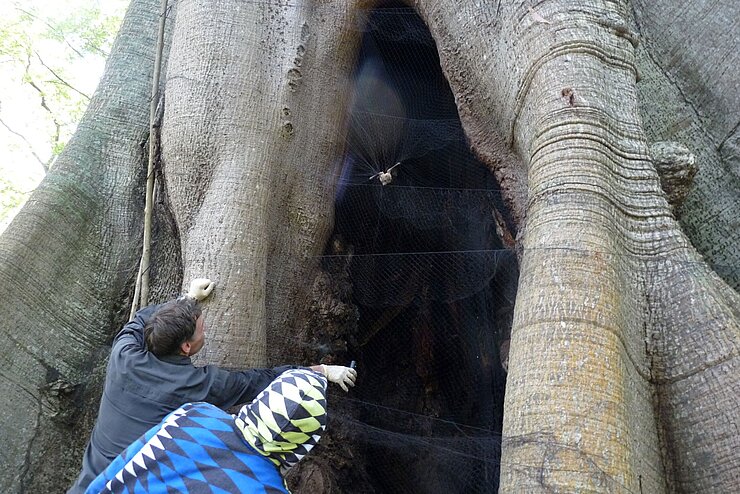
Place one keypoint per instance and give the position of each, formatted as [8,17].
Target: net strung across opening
[432,282]
[433,286]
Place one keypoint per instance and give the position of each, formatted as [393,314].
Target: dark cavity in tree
[434,286]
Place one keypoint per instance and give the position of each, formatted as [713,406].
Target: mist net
[432,283]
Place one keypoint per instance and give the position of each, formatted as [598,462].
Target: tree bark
[590,406]
[70,257]
[624,353]
[686,92]
[251,156]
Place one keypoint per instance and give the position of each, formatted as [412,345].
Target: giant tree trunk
[624,356]
[67,262]
[251,150]
[687,95]
[618,322]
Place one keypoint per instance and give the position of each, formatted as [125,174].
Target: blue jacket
[196,449]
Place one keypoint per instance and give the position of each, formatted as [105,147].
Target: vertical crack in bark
[667,74]
[26,476]
[651,338]
[728,136]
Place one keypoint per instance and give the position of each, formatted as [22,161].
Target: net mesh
[433,286]
[424,290]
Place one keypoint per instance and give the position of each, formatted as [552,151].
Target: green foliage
[10,200]
[52,55]
[88,28]
[49,48]
[10,197]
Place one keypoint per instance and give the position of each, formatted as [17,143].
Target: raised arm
[134,329]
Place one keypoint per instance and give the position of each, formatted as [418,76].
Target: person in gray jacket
[150,374]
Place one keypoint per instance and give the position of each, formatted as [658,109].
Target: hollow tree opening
[435,289]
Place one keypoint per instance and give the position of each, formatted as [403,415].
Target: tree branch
[57,31]
[30,147]
[141,290]
[60,78]
[57,125]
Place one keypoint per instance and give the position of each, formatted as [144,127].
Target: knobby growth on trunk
[623,360]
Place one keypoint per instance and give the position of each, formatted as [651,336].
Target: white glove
[338,374]
[200,288]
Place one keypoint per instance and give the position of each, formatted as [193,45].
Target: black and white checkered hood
[288,418]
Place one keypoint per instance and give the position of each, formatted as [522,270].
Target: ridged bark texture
[68,257]
[690,93]
[578,412]
[610,385]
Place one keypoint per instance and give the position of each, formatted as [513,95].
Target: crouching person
[150,374]
[201,448]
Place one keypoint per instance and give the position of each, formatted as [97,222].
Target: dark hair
[171,325]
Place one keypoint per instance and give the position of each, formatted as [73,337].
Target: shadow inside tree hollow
[433,284]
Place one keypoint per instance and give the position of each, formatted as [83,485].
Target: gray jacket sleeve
[134,329]
[236,387]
